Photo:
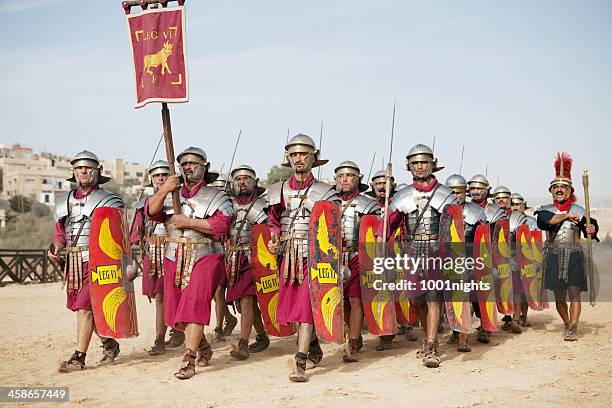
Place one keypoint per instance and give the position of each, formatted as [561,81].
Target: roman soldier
[518,203]
[291,203]
[250,209]
[354,205]
[565,270]
[479,190]
[419,207]
[194,262]
[473,215]
[378,192]
[226,321]
[501,196]
[150,235]
[73,213]
[377,187]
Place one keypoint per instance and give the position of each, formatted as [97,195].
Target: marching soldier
[479,190]
[226,321]
[150,235]
[518,204]
[473,215]
[419,206]
[354,206]
[194,262]
[501,196]
[73,213]
[564,259]
[250,209]
[377,187]
[291,203]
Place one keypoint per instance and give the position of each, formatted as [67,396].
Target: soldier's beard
[245,192]
[305,167]
[424,176]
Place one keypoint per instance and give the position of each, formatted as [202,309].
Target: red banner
[157,37]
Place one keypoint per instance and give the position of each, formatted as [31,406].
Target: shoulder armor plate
[61,206]
[473,214]
[403,200]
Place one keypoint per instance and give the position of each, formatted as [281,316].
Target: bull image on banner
[159,52]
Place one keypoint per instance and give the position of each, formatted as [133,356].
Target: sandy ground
[535,368]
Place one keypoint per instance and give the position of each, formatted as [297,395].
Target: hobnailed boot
[410,336]
[158,348]
[230,322]
[298,365]
[359,343]
[351,351]
[507,326]
[111,350]
[260,344]
[76,362]
[187,369]
[483,335]
[242,351]
[516,328]
[315,355]
[572,333]
[384,343]
[429,353]
[177,338]
[205,353]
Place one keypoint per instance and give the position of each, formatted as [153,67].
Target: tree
[276,174]
[20,204]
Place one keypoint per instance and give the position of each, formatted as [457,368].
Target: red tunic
[245,286]
[192,304]
[151,285]
[293,299]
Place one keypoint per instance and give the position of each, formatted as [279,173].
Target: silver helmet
[85,158]
[198,156]
[222,182]
[246,170]
[501,191]
[159,167]
[479,181]
[517,198]
[380,176]
[422,153]
[456,181]
[350,167]
[302,143]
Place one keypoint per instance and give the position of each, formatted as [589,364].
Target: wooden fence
[33,266]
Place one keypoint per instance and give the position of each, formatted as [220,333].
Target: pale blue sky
[514,82]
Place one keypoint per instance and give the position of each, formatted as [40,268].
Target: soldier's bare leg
[355,320]
[430,345]
[561,304]
[305,333]
[85,329]
[159,347]
[194,336]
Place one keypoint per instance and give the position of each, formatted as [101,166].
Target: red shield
[112,294]
[377,304]
[324,263]
[265,275]
[157,38]
[452,247]
[502,254]
[536,249]
[483,272]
